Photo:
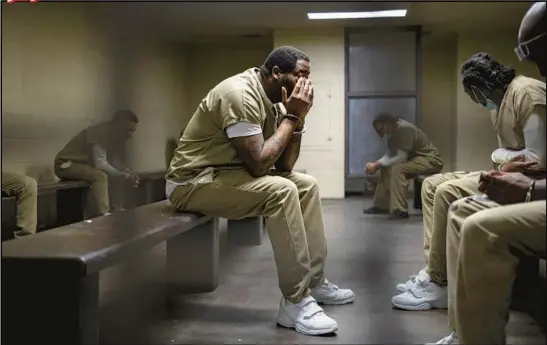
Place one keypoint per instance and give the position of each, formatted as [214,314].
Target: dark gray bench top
[99,243]
[152,175]
[61,185]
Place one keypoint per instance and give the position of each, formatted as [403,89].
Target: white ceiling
[187,20]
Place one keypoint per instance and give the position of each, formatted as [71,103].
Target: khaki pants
[291,205]
[99,196]
[429,186]
[24,189]
[392,188]
[445,188]
[481,267]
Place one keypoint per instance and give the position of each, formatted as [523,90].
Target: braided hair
[484,71]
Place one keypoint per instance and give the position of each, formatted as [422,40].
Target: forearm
[118,164]
[290,155]
[109,169]
[539,191]
[387,160]
[101,163]
[266,153]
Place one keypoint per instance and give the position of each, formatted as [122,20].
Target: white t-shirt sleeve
[242,129]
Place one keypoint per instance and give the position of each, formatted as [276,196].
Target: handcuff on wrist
[293,118]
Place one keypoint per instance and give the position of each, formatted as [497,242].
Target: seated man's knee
[29,187]
[307,182]
[398,169]
[429,185]
[283,189]
[99,176]
[447,191]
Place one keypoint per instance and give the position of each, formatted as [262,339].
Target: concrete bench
[59,203]
[151,189]
[56,278]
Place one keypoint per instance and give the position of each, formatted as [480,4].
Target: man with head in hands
[235,159]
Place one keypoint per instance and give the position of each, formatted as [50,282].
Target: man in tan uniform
[409,153]
[24,189]
[515,103]
[94,156]
[482,231]
[235,159]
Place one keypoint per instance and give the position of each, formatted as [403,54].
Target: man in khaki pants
[410,152]
[482,231]
[516,104]
[24,189]
[93,156]
[245,126]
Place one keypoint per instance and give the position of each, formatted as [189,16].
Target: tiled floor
[368,254]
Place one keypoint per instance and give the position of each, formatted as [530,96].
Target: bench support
[45,304]
[193,259]
[417,193]
[246,232]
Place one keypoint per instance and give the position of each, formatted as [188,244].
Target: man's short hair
[285,58]
[125,116]
[384,118]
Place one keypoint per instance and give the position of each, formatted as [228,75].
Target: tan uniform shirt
[78,150]
[204,143]
[521,97]
[411,139]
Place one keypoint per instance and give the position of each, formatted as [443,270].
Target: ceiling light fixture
[358,15]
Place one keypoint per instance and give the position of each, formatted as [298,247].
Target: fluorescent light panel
[357,15]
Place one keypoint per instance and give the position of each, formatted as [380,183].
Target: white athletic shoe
[451,339]
[426,295]
[411,283]
[328,293]
[306,317]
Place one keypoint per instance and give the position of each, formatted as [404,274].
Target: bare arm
[259,155]
[290,155]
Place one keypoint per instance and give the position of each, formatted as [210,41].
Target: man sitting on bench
[24,189]
[245,126]
[514,101]
[93,156]
[483,233]
[409,153]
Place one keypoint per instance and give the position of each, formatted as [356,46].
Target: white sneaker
[305,317]
[452,339]
[411,283]
[426,295]
[328,293]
